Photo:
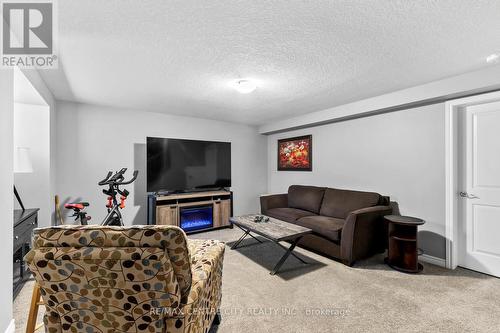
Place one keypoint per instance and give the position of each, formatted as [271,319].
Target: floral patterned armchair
[126,279]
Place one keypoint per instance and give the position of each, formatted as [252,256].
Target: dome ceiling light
[244,86]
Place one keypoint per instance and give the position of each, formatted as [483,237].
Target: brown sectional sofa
[347,225]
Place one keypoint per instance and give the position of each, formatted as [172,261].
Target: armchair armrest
[273,201]
[197,312]
[364,233]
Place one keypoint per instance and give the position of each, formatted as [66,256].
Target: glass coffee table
[275,230]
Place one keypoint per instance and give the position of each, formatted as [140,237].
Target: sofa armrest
[273,201]
[364,233]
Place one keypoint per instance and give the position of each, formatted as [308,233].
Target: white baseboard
[12,327]
[433,260]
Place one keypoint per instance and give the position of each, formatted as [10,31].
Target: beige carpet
[327,296]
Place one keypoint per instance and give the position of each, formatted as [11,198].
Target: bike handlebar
[134,177]
[118,178]
[103,182]
[118,175]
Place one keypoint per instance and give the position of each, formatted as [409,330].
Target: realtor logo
[28,34]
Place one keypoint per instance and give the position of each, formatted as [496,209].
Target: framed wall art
[295,154]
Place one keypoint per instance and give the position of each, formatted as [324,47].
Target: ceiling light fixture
[493,58]
[244,86]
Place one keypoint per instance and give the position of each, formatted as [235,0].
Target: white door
[480,192]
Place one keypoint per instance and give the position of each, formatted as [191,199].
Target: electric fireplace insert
[196,218]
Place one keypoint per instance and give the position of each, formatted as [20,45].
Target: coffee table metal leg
[285,256]
[258,240]
[293,254]
[245,234]
[240,240]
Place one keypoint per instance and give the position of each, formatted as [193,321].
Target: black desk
[24,223]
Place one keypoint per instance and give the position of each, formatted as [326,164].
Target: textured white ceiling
[179,57]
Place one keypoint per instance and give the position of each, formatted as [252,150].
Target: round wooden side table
[403,250]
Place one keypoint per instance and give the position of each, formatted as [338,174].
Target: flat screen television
[175,165]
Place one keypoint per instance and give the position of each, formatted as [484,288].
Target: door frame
[452,154]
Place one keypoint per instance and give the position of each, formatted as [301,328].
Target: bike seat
[76,205]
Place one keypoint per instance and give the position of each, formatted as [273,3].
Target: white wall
[6,194]
[47,98]
[400,154]
[95,139]
[32,129]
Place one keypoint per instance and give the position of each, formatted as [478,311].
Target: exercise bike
[114,216]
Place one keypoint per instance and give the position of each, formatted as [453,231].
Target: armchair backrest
[115,277]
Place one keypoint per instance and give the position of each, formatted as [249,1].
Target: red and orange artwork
[295,153]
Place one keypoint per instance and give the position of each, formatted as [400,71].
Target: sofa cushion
[287,214]
[305,197]
[325,226]
[339,203]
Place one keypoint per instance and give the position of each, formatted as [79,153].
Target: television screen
[186,165]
